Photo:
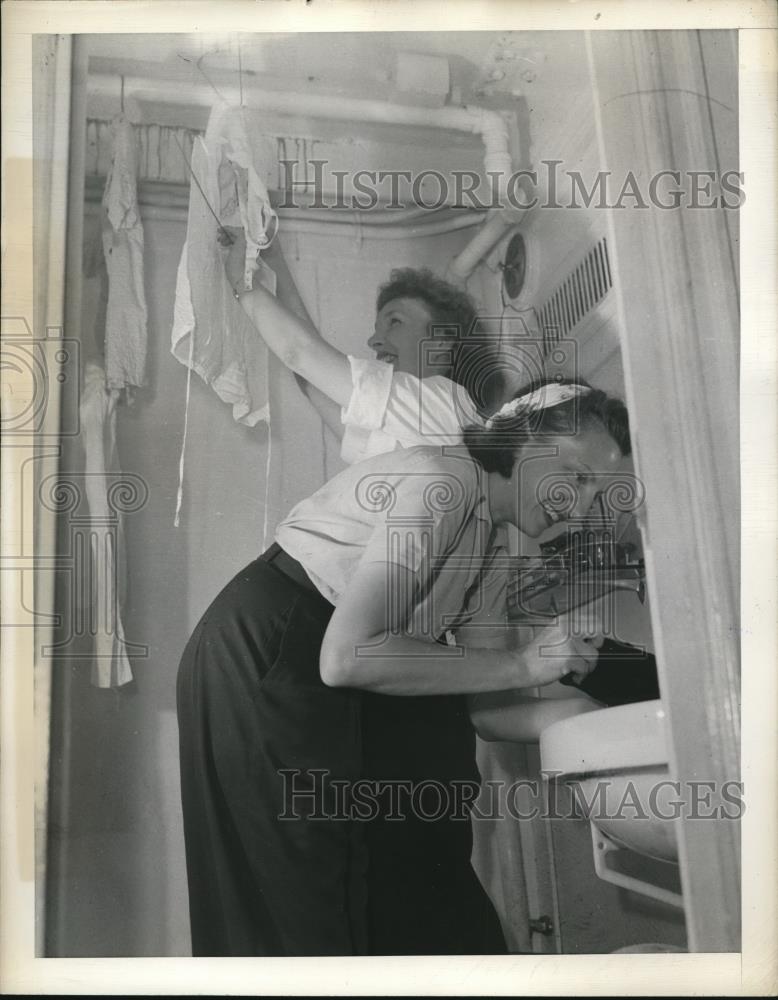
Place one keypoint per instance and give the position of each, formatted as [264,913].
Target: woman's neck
[502,503]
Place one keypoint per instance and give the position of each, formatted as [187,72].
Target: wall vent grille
[583,289]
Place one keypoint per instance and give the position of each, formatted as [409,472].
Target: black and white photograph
[380,430]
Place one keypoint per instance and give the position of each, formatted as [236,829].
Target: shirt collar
[494,535]
[481,509]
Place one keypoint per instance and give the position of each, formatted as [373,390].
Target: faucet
[574,568]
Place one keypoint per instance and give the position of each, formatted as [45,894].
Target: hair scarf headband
[542,398]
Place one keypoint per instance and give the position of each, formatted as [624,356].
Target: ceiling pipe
[489,125]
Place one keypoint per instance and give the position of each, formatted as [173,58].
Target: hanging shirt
[390,409]
[125,321]
[211,333]
[107,555]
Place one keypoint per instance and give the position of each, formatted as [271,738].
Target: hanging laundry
[125,325]
[111,665]
[211,334]
[245,155]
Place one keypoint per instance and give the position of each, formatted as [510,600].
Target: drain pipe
[498,222]
[498,163]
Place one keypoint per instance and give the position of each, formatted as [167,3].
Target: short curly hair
[452,308]
[449,306]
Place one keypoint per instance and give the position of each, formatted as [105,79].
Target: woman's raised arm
[284,324]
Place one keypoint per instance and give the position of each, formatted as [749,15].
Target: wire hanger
[196,64]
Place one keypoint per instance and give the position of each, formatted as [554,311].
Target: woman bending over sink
[345,664]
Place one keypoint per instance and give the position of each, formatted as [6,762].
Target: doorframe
[679,322]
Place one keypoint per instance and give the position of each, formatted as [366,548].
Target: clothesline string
[180,494]
[192,174]
[240,74]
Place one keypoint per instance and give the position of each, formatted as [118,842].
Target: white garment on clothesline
[211,333]
[97,411]
[126,315]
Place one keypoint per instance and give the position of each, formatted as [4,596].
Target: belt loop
[289,567]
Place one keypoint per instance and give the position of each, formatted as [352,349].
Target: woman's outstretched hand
[555,652]
[232,240]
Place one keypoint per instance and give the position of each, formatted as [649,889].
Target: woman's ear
[443,351]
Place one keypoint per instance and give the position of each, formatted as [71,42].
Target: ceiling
[538,77]
[485,67]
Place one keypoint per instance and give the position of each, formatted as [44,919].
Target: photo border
[749,973]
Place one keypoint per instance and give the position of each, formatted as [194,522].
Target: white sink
[618,759]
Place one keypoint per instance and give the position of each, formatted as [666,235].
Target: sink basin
[617,761]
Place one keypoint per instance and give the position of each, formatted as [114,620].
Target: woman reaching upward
[426,382]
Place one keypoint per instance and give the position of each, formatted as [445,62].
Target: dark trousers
[424,897]
[257,729]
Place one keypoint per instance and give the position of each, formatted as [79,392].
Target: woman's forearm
[511,716]
[400,665]
[367,646]
[285,325]
[286,288]
[298,345]
[284,332]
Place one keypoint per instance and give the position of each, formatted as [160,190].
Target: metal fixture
[602,847]
[574,569]
[541,925]
[514,267]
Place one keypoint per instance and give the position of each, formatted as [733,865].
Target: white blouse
[418,508]
[390,409]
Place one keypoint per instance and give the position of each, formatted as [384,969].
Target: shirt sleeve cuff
[372,383]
